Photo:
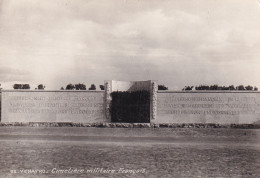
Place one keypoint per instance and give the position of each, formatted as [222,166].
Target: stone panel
[130,85]
[53,106]
[208,107]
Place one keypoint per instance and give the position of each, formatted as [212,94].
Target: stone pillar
[107,101]
[153,101]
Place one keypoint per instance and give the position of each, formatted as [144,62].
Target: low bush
[162,87]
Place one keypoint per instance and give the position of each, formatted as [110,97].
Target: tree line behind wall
[70,86]
[82,86]
[79,86]
[217,87]
[27,86]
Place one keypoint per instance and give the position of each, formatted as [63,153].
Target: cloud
[176,42]
[8,74]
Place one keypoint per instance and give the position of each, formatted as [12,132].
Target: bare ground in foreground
[158,152]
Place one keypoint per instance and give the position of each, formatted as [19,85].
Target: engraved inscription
[61,106]
[210,105]
[84,105]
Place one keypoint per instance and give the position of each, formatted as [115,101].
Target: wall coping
[208,91]
[25,90]
[159,91]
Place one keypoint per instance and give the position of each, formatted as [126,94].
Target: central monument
[131,86]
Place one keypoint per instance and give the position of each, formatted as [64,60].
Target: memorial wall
[220,107]
[208,107]
[52,106]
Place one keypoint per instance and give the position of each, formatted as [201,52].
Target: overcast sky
[178,43]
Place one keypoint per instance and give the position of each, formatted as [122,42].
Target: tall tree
[17,86]
[41,87]
[70,87]
[187,88]
[102,87]
[249,87]
[240,87]
[26,86]
[80,86]
[92,87]
[162,87]
[21,86]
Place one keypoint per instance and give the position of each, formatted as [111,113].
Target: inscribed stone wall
[208,107]
[172,107]
[53,106]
